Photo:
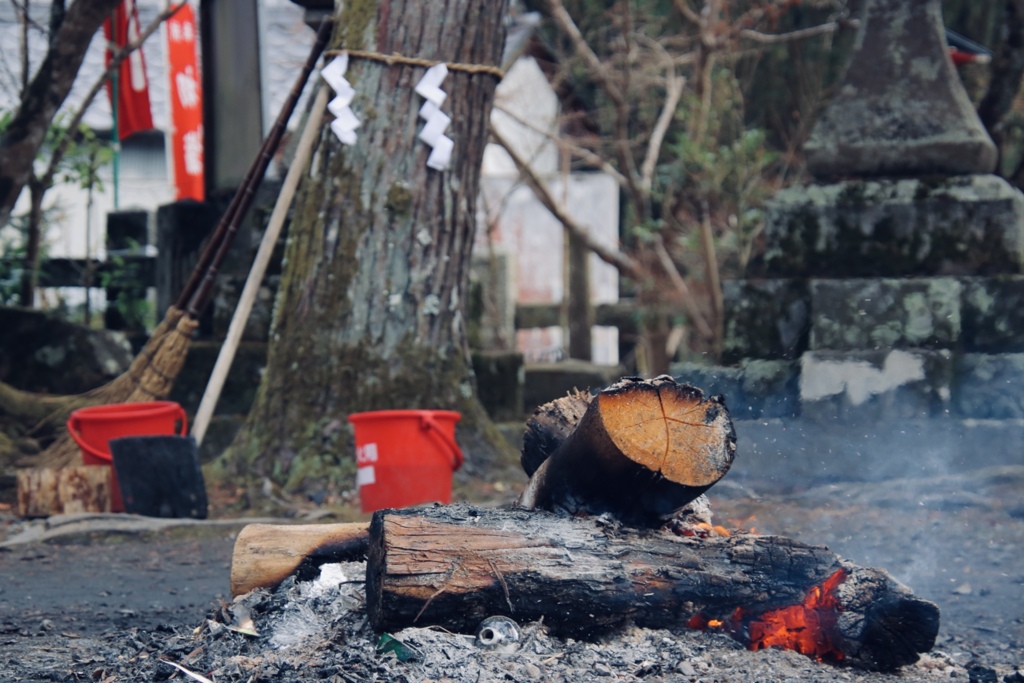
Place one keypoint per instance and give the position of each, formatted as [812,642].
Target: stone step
[781,319]
[866,387]
[957,225]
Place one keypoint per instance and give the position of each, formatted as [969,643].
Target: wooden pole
[259,268]
[194,295]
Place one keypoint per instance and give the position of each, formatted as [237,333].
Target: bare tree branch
[67,135]
[26,65]
[775,38]
[684,290]
[711,263]
[600,74]
[684,9]
[73,30]
[623,262]
[568,27]
[674,91]
[587,156]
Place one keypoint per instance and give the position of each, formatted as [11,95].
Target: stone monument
[884,316]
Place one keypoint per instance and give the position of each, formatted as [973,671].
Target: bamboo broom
[153,371]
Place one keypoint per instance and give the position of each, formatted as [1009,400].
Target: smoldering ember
[705,314]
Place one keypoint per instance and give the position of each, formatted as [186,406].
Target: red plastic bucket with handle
[405,457]
[93,428]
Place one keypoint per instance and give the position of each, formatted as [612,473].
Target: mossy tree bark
[370,311]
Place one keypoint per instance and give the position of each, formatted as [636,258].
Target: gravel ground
[101,606]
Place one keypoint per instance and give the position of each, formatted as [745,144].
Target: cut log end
[670,429]
[641,450]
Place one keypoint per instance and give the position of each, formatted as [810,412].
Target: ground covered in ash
[96,607]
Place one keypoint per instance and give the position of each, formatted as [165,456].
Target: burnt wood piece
[454,566]
[267,554]
[549,426]
[641,450]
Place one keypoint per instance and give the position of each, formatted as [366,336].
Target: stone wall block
[900,109]
[240,386]
[765,319]
[989,386]
[755,390]
[869,314]
[993,314]
[871,387]
[225,300]
[962,225]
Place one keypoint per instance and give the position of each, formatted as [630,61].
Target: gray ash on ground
[318,630]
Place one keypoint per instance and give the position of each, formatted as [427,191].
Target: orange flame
[808,628]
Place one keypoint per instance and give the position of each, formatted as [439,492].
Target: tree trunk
[370,312]
[453,566]
[20,143]
[33,241]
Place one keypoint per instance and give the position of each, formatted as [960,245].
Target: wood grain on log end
[671,429]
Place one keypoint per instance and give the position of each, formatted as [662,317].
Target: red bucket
[93,428]
[405,457]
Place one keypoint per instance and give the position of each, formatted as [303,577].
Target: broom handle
[196,292]
[259,267]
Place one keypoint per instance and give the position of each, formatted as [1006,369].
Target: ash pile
[319,630]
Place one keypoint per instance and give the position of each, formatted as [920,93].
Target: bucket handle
[429,423]
[82,443]
[183,419]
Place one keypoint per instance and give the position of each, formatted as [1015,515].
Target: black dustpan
[160,476]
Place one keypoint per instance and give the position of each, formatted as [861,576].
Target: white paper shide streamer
[345,122]
[437,121]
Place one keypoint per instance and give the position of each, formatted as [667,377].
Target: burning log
[267,554]
[640,450]
[453,566]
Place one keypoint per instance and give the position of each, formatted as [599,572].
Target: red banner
[133,111]
[186,104]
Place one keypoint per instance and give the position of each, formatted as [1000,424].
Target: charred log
[641,450]
[453,566]
[549,426]
[267,554]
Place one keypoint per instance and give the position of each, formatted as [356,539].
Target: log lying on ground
[454,566]
[641,450]
[267,554]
